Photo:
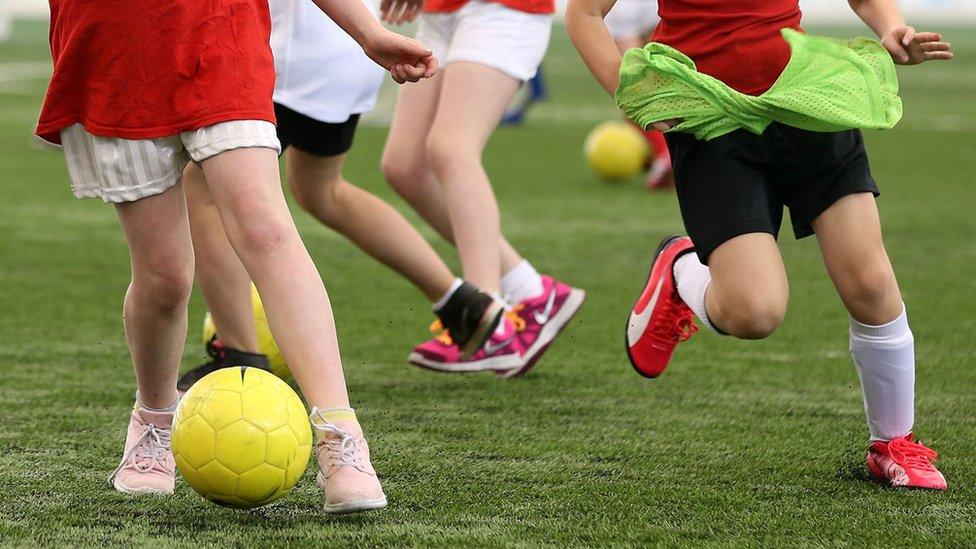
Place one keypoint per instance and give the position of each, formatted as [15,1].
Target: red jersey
[528,6]
[736,41]
[140,69]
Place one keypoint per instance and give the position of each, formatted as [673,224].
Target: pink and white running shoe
[346,474]
[545,317]
[503,350]
[147,466]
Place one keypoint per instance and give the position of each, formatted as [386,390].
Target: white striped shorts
[125,170]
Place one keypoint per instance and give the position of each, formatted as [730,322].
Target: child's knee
[317,195]
[445,149]
[870,289]
[260,235]
[400,170]
[164,283]
[753,316]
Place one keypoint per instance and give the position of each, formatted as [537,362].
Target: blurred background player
[433,158]
[631,23]
[732,190]
[324,82]
[127,140]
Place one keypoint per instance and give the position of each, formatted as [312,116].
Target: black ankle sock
[465,300]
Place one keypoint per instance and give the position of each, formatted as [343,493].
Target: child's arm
[406,59]
[906,46]
[584,23]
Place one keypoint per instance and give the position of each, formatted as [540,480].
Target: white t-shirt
[321,71]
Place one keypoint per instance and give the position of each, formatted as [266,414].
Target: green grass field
[740,443]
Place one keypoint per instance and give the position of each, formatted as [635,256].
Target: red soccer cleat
[903,463]
[660,319]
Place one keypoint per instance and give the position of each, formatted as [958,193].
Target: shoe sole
[660,249]
[355,506]
[143,491]
[493,364]
[489,322]
[552,329]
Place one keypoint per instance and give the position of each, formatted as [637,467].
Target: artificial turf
[739,443]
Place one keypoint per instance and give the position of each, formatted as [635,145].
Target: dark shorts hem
[705,247]
[314,136]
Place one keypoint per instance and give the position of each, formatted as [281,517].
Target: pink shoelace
[905,451]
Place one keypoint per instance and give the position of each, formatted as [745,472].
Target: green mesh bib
[828,85]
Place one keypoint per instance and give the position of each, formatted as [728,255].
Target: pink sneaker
[545,317]
[502,351]
[345,473]
[904,462]
[147,466]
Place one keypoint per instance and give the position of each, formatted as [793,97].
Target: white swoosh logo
[491,349]
[546,313]
[638,322]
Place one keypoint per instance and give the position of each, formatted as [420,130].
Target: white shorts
[490,34]
[632,19]
[125,170]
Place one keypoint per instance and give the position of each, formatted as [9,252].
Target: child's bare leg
[473,99]
[158,235]
[225,283]
[849,233]
[748,292]
[372,224]
[405,161]
[247,190]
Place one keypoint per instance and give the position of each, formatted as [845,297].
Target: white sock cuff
[894,333]
[692,279]
[521,282]
[447,295]
[170,408]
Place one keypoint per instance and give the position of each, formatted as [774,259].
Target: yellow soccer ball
[241,437]
[266,341]
[616,150]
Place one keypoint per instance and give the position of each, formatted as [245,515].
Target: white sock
[170,408]
[521,283]
[693,278]
[447,295]
[885,360]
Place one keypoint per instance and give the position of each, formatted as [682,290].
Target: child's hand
[405,58]
[400,11]
[908,47]
[665,125]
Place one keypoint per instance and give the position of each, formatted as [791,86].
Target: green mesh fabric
[828,85]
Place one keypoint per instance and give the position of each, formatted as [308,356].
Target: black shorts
[314,136]
[739,183]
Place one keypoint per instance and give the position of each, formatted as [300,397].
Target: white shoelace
[344,449]
[157,443]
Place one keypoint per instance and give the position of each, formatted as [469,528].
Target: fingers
[405,72]
[897,51]
[909,35]
[927,37]
[411,13]
[935,46]
[431,63]
[938,55]
[385,9]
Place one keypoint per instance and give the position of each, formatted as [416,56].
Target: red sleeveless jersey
[139,69]
[736,41]
[528,6]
